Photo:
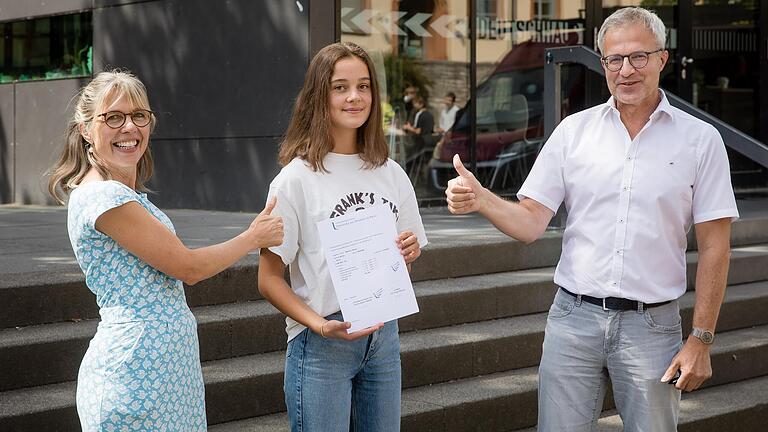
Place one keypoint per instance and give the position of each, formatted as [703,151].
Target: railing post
[552,93]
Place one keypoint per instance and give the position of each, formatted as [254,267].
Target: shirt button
[629,158]
[621,220]
[613,283]
[626,188]
[618,252]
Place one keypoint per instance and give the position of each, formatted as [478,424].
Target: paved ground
[34,245]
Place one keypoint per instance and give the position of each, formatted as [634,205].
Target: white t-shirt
[447,117]
[305,197]
[630,203]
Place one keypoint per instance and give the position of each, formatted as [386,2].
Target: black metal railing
[555,57]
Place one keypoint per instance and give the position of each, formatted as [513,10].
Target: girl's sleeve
[291,223]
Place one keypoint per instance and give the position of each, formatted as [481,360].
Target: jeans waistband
[615,303]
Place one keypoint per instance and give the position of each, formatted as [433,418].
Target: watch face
[707,337]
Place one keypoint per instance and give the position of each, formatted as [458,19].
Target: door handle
[685,61]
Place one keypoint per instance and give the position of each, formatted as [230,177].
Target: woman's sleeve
[99,198]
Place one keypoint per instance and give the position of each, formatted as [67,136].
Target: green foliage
[401,72]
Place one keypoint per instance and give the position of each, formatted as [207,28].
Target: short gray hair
[633,15]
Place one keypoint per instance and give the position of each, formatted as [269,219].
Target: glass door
[720,71]
[715,64]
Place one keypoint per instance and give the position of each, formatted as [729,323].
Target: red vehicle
[509,121]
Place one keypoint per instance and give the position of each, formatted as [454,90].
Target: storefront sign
[371,21]
[546,30]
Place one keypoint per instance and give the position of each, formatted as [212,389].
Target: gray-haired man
[635,174]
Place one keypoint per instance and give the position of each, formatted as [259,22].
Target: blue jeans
[336,385]
[584,345]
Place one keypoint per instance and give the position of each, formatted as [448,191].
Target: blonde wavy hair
[75,159]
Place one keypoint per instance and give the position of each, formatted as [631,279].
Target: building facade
[223,75]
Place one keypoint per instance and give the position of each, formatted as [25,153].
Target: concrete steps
[32,298]
[251,385]
[469,357]
[741,406]
[237,329]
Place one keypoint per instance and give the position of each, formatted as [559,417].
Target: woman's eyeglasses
[116,119]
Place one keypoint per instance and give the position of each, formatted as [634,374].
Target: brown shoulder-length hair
[309,133]
[75,159]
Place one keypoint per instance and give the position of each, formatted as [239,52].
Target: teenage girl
[335,160]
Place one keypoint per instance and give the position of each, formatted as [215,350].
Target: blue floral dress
[142,368]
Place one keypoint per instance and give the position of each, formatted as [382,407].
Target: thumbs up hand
[461,193]
[267,229]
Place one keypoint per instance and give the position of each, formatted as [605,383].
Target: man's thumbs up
[459,166]
[460,193]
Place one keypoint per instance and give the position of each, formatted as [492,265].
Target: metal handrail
[555,57]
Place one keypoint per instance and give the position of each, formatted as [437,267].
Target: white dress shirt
[630,203]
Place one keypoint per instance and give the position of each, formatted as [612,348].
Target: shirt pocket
[667,181]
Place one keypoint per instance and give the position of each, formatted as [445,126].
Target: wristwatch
[706,336]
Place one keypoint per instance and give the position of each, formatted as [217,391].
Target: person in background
[448,113]
[409,93]
[419,133]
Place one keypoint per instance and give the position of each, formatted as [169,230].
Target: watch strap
[706,336]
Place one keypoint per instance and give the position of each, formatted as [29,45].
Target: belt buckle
[604,308]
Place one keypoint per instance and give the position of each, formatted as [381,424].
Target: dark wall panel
[213,69]
[42,111]
[322,24]
[6,144]
[222,174]
[21,9]
[105,3]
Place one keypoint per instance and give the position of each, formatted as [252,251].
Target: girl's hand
[409,246]
[334,329]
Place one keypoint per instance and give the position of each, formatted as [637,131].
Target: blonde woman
[141,371]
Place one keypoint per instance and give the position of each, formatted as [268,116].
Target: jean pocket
[562,306]
[289,349]
[296,343]
[663,319]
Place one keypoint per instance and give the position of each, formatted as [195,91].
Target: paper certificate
[369,275]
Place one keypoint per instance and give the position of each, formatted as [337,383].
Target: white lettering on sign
[371,21]
[544,30]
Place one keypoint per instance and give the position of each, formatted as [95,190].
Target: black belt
[614,303]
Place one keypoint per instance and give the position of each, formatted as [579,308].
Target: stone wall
[448,76]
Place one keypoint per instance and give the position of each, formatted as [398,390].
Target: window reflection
[424,51]
[424,46]
[512,37]
[46,48]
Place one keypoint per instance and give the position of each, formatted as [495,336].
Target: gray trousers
[584,345]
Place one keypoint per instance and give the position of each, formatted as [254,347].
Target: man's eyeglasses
[116,119]
[638,60]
